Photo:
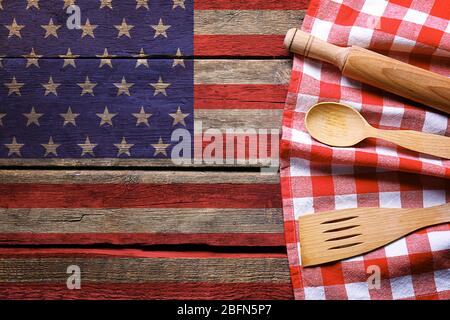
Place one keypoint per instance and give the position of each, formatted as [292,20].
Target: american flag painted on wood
[87,208]
[114,91]
[149,275]
[135,207]
[217,77]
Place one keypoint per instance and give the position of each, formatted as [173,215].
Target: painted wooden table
[191,231]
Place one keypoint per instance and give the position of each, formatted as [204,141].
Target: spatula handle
[428,143]
[421,218]
[375,69]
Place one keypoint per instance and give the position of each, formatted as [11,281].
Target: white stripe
[396,248]
[402,287]
[357,291]
[315,293]
[439,240]
[300,167]
[442,280]
[433,198]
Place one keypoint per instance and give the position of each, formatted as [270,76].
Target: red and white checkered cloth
[319,178]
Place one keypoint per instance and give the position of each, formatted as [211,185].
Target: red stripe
[214,239]
[140,196]
[251,4]
[240,45]
[178,290]
[239,96]
[129,253]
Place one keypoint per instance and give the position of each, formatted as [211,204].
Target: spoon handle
[428,143]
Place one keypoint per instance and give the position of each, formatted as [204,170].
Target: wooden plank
[140,207]
[220,31]
[212,29]
[246,22]
[104,32]
[164,220]
[237,93]
[135,274]
[257,72]
[240,96]
[133,177]
[251,4]
[238,118]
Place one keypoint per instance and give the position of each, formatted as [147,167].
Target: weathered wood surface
[139,207]
[235,94]
[223,208]
[217,28]
[137,274]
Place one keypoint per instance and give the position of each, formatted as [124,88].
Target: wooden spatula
[336,235]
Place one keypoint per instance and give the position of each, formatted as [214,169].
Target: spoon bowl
[336,124]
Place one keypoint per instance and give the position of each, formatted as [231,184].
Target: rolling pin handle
[309,46]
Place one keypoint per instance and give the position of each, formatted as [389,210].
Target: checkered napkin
[375,173]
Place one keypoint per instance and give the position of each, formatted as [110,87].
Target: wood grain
[340,125]
[133,177]
[235,85]
[242,71]
[251,91]
[256,22]
[251,4]
[41,273]
[380,71]
[336,235]
[215,28]
[139,207]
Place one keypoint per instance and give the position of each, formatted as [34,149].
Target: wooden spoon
[339,125]
[341,234]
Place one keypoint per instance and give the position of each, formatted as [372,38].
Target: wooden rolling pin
[375,69]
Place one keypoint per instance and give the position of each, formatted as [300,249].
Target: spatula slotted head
[336,235]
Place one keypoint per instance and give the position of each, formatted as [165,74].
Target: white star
[106,4]
[33,3]
[141,59]
[88,29]
[69,58]
[88,87]
[160,29]
[142,4]
[179,117]
[123,87]
[178,3]
[51,29]
[124,147]
[160,147]
[14,86]
[124,29]
[33,117]
[69,117]
[51,87]
[50,147]
[160,87]
[14,29]
[178,61]
[105,59]
[106,117]
[87,147]
[14,147]
[32,58]
[142,117]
